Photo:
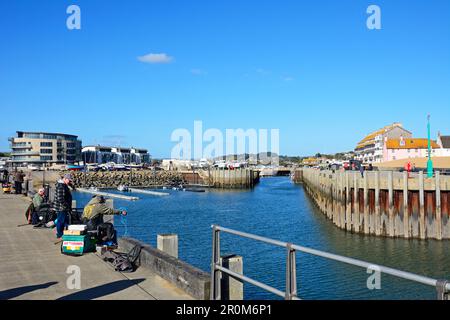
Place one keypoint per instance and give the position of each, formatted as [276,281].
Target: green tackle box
[77,245]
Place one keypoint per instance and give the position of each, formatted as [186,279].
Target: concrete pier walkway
[32,267]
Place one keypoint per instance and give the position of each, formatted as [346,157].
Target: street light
[430,162]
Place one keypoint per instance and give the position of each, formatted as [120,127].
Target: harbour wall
[138,178]
[191,280]
[388,204]
[241,178]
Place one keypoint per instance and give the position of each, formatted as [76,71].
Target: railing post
[231,288]
[291,273]
[442,292]
[215,261]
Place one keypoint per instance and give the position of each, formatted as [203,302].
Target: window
[20,158]
[49,136]
[47,151]
[46,158]
[71,145]
[32,135]
[19,144]
[46,144]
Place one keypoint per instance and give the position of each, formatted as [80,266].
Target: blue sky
[311,69]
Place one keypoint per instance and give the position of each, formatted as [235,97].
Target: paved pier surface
[32,267]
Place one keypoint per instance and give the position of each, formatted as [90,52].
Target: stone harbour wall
[112,179]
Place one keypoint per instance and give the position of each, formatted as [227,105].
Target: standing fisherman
[18,180]
[63,204]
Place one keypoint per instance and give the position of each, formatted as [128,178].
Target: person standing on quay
[408,168]
[62,203]
[18,180]
[361,169]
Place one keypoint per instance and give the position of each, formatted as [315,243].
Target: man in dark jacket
[18,180]
[62,204]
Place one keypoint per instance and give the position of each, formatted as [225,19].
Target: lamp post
[430,162]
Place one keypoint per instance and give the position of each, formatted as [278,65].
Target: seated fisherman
[38,211]
[93,217]
[38,199]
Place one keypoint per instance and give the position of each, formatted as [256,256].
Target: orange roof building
[408,148]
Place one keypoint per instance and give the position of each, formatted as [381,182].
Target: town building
[370,149]
[408,148]
[119,155]
[44,148]
[444,144]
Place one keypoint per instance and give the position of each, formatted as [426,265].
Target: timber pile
[112,179]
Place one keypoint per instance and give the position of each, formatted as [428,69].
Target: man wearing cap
[62,203]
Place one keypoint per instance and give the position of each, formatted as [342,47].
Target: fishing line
[124,221]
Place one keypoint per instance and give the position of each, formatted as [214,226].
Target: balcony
[24,153]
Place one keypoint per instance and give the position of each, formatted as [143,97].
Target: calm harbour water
[281,210]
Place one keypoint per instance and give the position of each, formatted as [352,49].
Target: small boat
[74,168]
[122,188]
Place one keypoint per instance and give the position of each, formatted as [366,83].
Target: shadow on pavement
[102,290]
[15,292]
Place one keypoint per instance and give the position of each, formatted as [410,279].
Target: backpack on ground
[41,217]
[123,262]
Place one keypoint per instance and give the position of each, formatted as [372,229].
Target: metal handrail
[442,286]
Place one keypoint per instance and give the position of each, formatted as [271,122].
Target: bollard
[168,243]
[232,289]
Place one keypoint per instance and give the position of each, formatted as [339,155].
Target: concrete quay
[32,267]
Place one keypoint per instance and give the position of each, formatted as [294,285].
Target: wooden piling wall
[388,204]
[242,178]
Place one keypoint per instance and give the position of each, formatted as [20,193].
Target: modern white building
[103,154]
